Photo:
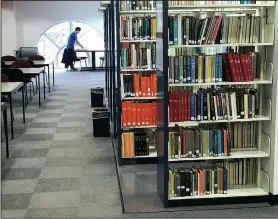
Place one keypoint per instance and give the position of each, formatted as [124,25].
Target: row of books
[189,30]
[136,5]
[136,114]
[243,135]
[195,143]
[212,2]
[213,104]
[197,181]
[138,28]
[138,56]
[135,144]
[139,85]
[216,179]
[234,67]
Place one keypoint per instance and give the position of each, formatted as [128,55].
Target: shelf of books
[213,80]
[137,73]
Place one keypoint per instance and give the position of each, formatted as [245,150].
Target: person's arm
[78,43]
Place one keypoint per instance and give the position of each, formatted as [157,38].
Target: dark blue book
[225,180]
[219,142]
[192,107]
[202,105]
[216,68]
[188,72]
[193,69]
[220,68]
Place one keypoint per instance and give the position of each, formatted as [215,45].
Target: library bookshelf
[202,159]
[136,40]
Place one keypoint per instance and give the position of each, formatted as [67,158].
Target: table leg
[11,114]
[23,104]
[6,131]
[53,72]
[43,86]
[39,85]
[93,60]
[48,78]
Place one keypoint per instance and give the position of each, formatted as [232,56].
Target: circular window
[53,41]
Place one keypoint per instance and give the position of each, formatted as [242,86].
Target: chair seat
[101,58]
[80,58]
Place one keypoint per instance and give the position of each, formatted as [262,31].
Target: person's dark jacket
[69,57]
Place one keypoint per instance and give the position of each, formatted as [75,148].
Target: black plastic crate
[97,96]
[101,122]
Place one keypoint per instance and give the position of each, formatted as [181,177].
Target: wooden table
[40,63]
[36,72]
[93,52]
[8,88]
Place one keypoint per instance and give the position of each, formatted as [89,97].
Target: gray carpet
[56,167]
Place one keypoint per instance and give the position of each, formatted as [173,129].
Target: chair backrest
[26,52]
[4,78]
[8,58]
[36,58]
[3,65]
[14,75]
[21,64]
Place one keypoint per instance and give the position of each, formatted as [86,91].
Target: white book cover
[234,106]
[230,30]
[244,29]
[247,37]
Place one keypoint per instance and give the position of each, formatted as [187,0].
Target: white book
[230,30]
[149,59]
[234,106]
[180,30]
[241,29]
[247,37]
[252,29]
[244,29]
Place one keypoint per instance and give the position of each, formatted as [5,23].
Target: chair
[4,78]
[79,59]
[5,119]
[3,65]
[8,58]
[25,52]
[27,79]
[101,61]
[38,58]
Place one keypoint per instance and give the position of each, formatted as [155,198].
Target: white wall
[35,17]
[9,33]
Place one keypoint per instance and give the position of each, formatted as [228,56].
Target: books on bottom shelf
[137,144]
[222,179]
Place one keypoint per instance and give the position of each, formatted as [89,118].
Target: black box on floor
[101,122]
[97,96]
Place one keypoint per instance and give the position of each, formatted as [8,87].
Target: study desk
[8,88]
[40,63]
[35,72]
[93,57]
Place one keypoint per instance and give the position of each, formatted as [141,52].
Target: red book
[143,87]
[179,106]
[175,107]
[128,112]
[244,67]
[232,68]
[217,28]
[182,106]
[148,85]
[183,144]
[154,113]
[227,75]
[152,93]
[236,67]
[133,114]
[143,114]
[188,105]
[171,115]
[136,85]
[154,84]
[138,115]
[250,71]
[124,115]
[239,67]
[147,116]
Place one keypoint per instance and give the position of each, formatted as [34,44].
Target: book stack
[213,104]
[233,67]
[138,114]
[241,171]
[195,143]
[189,30]
[135,144]
[138,56]
[211,2]
[137,5]
[198,181]
[138,28]
[139,85]
[243,135]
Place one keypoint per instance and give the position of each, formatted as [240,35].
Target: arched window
[53,41]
